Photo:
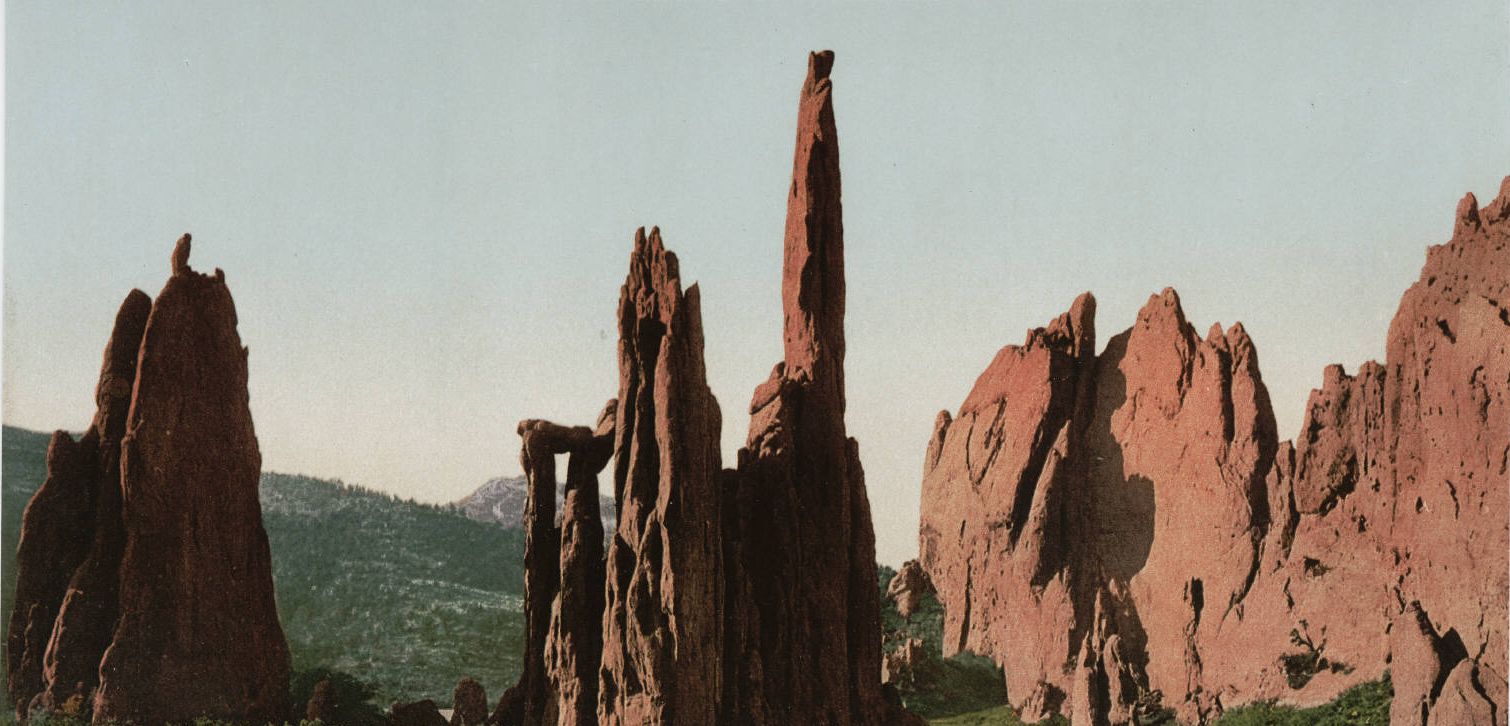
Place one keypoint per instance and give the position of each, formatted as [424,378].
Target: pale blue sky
[425,210]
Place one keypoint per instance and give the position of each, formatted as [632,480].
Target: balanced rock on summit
[158,604]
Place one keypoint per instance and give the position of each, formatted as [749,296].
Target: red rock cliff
[1110,527]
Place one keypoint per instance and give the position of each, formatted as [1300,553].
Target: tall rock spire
[803,611]
[663,616]
[812,275]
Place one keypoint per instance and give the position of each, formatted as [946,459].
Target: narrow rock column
[87,619]
[71,542]
[531,702]
[663,620]
[801,583]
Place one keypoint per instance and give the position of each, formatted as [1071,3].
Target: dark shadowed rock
[469,703]
[803,620]
[50,548]
[198,632]
[419,713]
[86,620]
[71,542]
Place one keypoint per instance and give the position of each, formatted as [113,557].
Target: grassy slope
[405,597]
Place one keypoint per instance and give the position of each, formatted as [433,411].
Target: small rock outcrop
[469,703]
[1133,514]
[908,588]
[321,705]
[154,600]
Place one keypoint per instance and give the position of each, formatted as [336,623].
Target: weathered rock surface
[662,627]
[908,587]
[67,561]
[742,596]
[1112,526]
[50,548]
[198,632]
[803,616]
[469,703]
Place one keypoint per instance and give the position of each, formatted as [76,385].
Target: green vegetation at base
[405,597]
[1366,704]
[999,716]
[938,686]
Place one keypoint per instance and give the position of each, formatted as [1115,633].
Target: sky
[425,210]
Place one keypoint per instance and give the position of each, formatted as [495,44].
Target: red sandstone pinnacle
[1210,551]
[198,633]
[87,618]
[662,625]
[66,588]
[49,550]
[908,587]
[803,613]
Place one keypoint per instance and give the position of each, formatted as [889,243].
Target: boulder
[908,588]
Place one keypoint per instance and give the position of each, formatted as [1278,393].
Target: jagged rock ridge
[721,599]
[1123,529]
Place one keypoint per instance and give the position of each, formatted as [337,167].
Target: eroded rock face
[68,559]
[662,626]
[1210,562]
[469,703]
[49,551]
[802,609]
[198,632]
[87,617]
[743,596]
[908,587]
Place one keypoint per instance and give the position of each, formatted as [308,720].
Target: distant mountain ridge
[501,501]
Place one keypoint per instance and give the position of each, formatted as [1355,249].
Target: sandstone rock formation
[71,541]
[564,576]
[743,596]
[1118,528]
[908,587]
[469,703]
[803,614]
[154,599]
[198,632]
[662,626]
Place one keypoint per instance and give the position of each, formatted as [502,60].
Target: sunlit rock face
[1110,527]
